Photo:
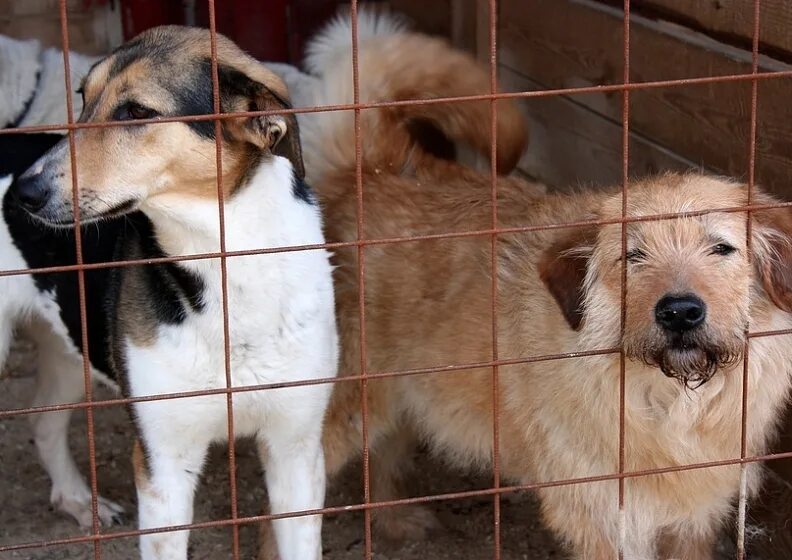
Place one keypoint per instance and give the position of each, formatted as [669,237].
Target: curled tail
[397,65]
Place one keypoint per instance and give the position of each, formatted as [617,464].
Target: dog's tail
[397,65]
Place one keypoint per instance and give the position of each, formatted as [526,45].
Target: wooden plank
[464,24]
[482,51]
[572,43]
[93,29]
[730,20]
[572,145]
[430,17]
[37,7]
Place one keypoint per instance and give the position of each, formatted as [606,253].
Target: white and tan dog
[46,306]
[166,320]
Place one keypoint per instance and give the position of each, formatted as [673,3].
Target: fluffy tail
[397,65]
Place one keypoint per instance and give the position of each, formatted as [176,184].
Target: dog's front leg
[60,381]
[166,476]
[291,450]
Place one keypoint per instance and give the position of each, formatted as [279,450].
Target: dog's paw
[405,523]
[110,513]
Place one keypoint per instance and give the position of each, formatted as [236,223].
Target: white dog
[32,83]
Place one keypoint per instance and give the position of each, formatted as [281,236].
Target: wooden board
[430,17]
[572,43]
[93,29]
[571,145]
[730,21]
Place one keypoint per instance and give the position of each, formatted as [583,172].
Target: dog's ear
[563,267]
[772,244]
[279,134]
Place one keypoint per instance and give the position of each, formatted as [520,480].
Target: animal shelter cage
[594,90]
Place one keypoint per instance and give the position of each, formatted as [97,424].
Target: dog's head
[164,72]
[691,289]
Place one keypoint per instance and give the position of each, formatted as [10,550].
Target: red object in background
[305,18]
[271,30]
[139,15]
[258,26]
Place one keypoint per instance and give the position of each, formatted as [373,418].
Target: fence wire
[97,536]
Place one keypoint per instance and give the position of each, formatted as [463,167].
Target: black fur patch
[431,139]
[233,82]
[158,292]
[161,288]
[195,97]
[44,247]
[301,190]
[126,54]
[167,286]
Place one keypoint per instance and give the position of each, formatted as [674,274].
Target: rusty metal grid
[97,536]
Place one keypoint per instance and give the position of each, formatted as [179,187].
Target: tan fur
[118,163]
[139,466]
[428,304]
[409,66]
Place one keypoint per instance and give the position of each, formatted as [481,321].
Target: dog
[32,82]
[165,320]
[693,289]
[417,136]
[46,307]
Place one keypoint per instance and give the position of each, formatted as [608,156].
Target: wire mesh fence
[497,489]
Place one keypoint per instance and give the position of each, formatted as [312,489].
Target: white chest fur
[281,324]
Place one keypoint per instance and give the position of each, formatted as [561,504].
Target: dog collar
[29,102]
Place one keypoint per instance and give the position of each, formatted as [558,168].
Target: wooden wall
[94,25]
[549,44]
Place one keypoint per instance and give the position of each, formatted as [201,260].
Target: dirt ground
[466,530]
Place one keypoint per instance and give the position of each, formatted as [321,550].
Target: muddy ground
[466,530]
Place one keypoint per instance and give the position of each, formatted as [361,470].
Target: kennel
[693,84]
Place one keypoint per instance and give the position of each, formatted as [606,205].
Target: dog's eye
[635,255]
[133,112]
[722,249]
[81,92]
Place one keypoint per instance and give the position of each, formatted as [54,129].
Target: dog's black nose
[680,313]
[32,192]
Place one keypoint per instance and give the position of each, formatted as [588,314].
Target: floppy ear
[279,134]
[562,268]
[772,234]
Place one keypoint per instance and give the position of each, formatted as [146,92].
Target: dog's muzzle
[32,192]
[680,313]
[687,352]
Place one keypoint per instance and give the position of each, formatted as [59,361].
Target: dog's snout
[679,313]
[32,192]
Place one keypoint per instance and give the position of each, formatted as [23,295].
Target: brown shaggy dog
[693,288]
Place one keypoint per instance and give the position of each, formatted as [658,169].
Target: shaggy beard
[692,366]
